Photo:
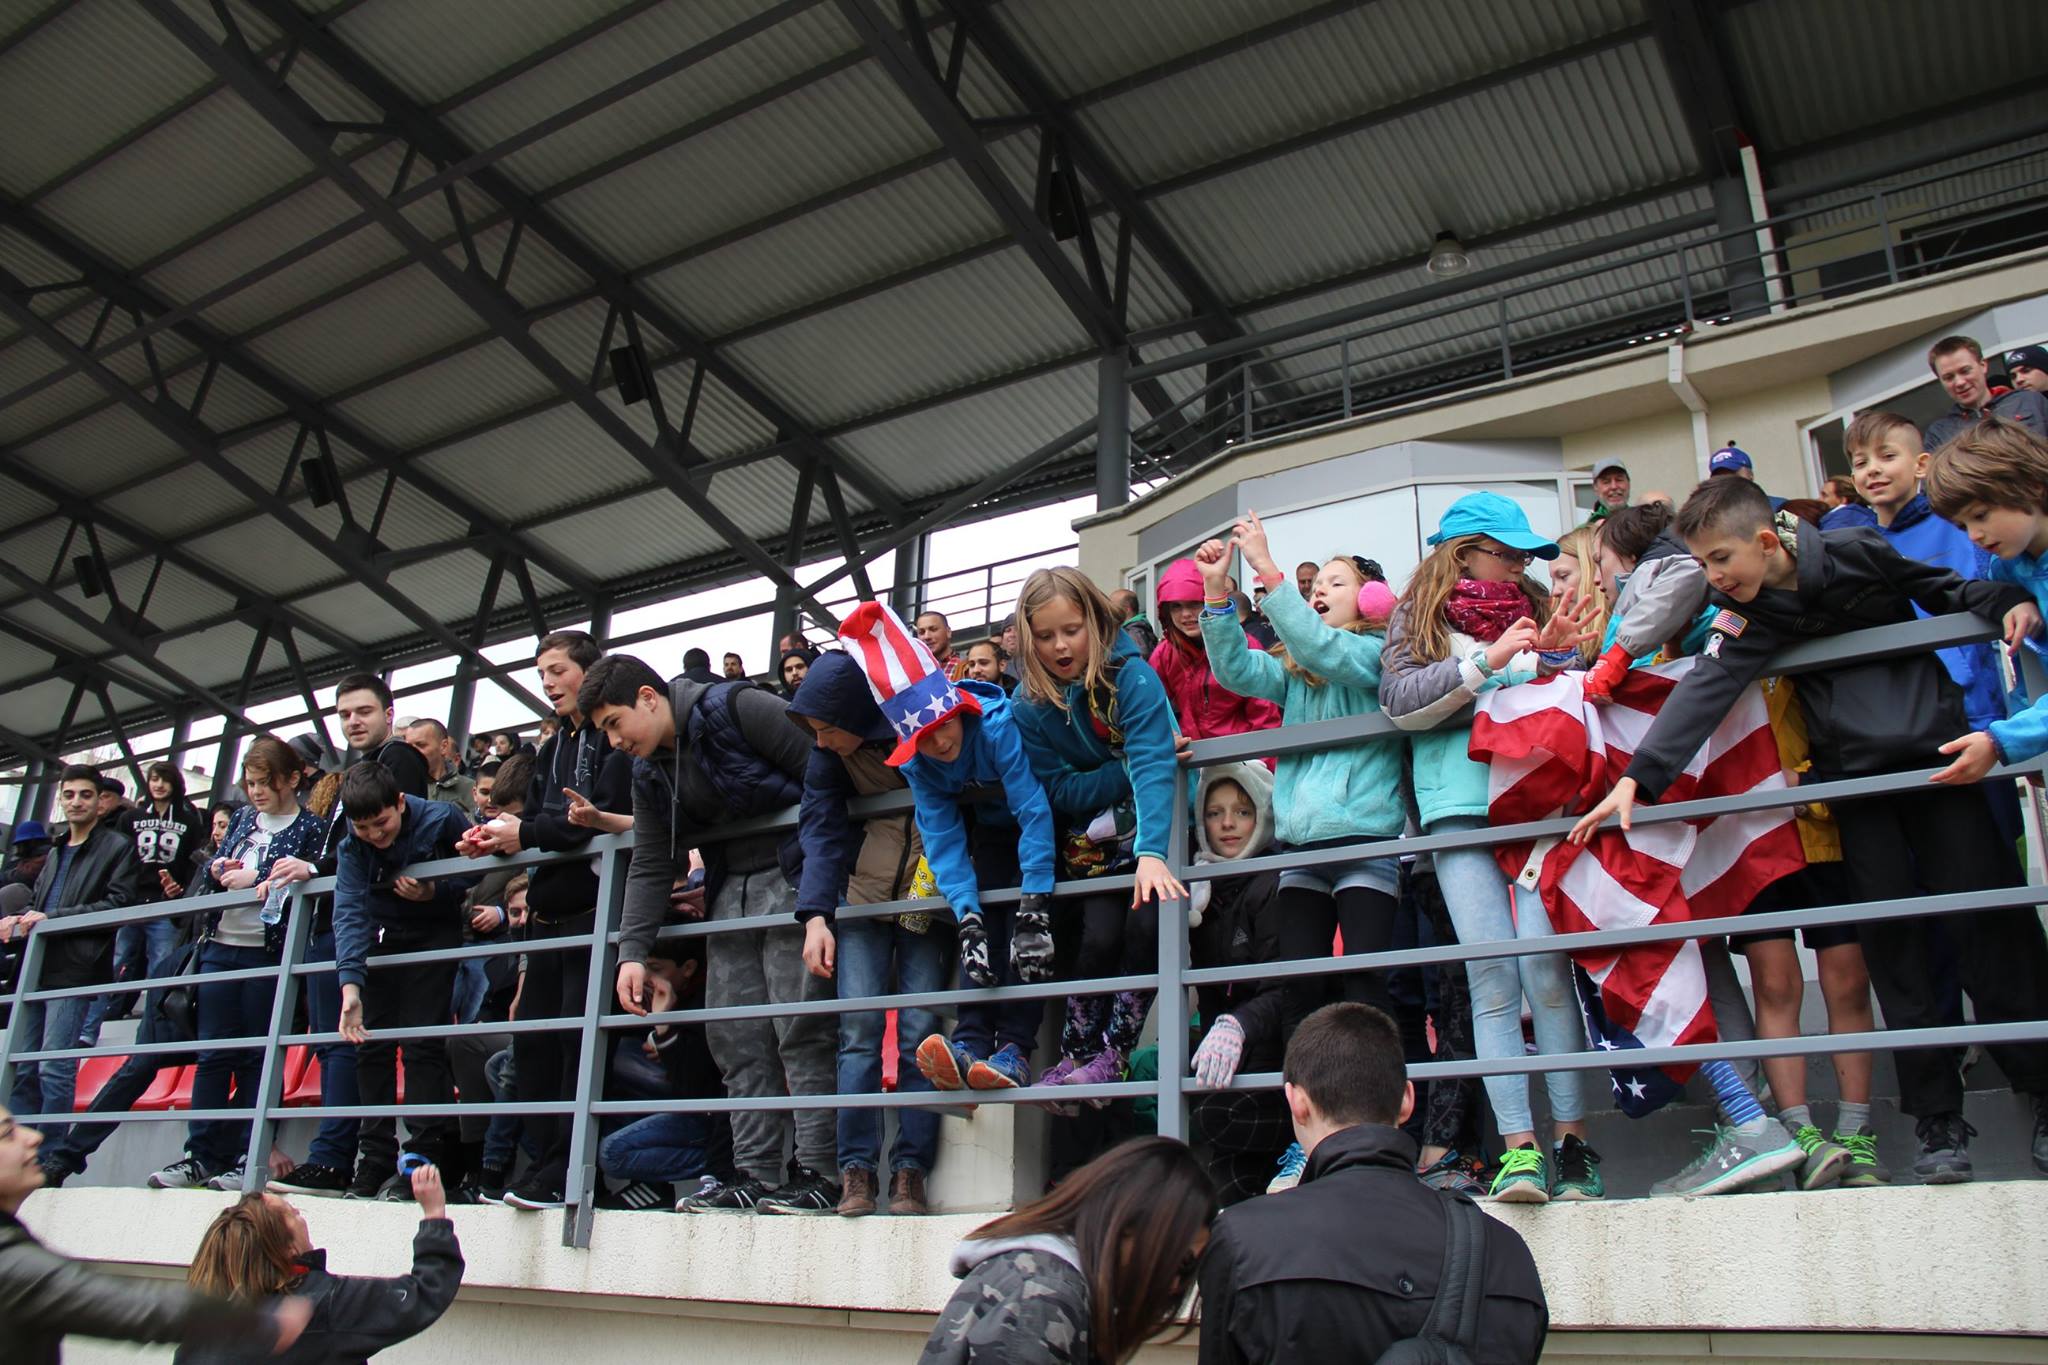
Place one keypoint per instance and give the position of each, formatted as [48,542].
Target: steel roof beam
[1699,79]
[293,119]
[617,286]
[179,426]
[112,284]
[249,600]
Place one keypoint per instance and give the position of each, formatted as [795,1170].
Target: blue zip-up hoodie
[1337,793]
[427,832]
[2025,734]
[1082,774]
[835,691]
[991,751]
[1918,534]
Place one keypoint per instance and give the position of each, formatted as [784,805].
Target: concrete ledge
[1964,1260]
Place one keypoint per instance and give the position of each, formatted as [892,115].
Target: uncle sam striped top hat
[909,686]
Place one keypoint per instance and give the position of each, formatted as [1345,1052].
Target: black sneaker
[638,1197]
[396,1190]
[1944,1150]
[311,1178]
[740,1197]
[490,1185]
[534,1196]
[807,1194]
[55,1172]
[365,1184]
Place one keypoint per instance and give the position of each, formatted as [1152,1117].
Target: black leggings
[1115,940]
[1309,920]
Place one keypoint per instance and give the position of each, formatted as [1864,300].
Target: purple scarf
[1484,611]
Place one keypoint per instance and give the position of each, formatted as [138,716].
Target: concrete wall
[1904,1273]
[1760,381]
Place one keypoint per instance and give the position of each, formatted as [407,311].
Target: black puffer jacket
[44,1297]
[1290,1280]
[354,1316]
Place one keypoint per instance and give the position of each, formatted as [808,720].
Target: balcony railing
[1173,1087]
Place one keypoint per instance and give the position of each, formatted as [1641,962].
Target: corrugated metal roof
[1890,57]
[354,323]
[918,339]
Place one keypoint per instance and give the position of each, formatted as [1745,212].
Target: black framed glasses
[1514,559]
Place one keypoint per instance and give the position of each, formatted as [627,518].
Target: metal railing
[1442,338]
[1173,975]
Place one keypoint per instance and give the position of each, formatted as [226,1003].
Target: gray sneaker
[231,1178]
[1944,1150]
[1733,1161]
[183,1174]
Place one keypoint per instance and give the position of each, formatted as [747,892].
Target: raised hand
[1516,639]
[1250,535]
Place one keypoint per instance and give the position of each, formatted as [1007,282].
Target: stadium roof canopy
[305,310]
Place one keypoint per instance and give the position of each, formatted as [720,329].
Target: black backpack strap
[1461,1284]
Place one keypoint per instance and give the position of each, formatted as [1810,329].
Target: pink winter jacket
[1205,708]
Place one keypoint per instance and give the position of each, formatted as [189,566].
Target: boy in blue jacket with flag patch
[950,737]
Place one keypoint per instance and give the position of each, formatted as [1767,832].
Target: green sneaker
[1825,1162]
[1578,1172]
[1864,1169]
[1523,1178]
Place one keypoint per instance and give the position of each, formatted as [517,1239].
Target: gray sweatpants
[781,1056]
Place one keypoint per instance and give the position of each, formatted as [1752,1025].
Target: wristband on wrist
[1214,602]
[1558,658]
[1477,658]
[1219,609]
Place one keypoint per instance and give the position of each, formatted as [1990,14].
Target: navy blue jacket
[836,692]
[427,832]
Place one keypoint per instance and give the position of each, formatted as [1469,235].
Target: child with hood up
[1205,708]
[1234,921]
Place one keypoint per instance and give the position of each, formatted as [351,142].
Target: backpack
[1453,1325]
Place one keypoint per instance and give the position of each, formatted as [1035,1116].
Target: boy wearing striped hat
[951,737]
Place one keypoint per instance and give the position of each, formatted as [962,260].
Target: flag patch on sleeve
[1728,623]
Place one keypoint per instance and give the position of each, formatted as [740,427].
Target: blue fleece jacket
[991,752]
[1083,775]
[1338,793]
[426,833]
[835,691]
[2025,734]
[1918,534]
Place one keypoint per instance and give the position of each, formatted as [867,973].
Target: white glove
[1216,1060]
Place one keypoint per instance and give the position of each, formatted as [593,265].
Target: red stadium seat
[93,1075]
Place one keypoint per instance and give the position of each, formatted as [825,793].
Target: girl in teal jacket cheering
[1099,729]
[1327,665]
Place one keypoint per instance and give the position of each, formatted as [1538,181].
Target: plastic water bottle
[273,904]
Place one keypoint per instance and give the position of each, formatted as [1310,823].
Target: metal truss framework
[1071,166]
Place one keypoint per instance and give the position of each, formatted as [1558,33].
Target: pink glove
[1606,674]
[1216,1060]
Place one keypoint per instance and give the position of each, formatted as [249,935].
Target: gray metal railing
[1171,978]
[1649,286]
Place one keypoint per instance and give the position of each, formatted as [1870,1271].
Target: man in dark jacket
[1958,362]
[561,897]
[866,862]
[704,757]
[1289,1280]
[45,1297]
[379,910]
[93,868]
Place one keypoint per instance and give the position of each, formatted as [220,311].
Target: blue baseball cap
[28,831]
[1728,459]
[1491,514]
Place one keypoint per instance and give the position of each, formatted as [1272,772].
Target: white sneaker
[230,1179]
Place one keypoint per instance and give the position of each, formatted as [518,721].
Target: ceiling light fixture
[1448,256]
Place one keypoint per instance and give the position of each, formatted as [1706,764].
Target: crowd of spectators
[1076,717]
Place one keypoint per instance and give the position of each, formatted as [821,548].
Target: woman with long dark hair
[258,1250]
[1089,1273]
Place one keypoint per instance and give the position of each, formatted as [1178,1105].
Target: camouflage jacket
[1021,1301]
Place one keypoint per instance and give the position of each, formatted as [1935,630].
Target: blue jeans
[335,1144]
[228,1009]
[471,986]
[504,1130]
[48,1087]
[1476,895]
[661,1149]
[867,950]
[138,951]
